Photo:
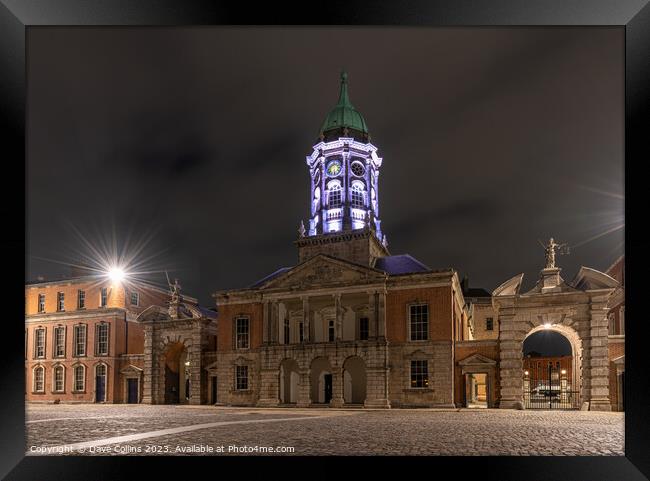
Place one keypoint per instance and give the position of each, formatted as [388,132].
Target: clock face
[333,168]
[357,168]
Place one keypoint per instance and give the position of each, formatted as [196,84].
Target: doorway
[327,379]
[100,383]
[476,390]
[132,386]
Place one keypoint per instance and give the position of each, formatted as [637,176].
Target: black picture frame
[16,16]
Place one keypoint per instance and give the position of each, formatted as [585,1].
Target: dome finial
[343,94]
[344,76]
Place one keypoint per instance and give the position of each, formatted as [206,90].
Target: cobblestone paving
[321,431]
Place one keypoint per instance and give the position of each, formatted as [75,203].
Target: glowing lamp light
[116,274]
[563,371]
[525,373]
[547,326]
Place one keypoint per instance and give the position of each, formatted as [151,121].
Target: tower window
[335,196]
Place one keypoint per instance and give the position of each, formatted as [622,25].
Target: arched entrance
[176,378]
[321,381]
[551,368]
[289,379]
[354,380]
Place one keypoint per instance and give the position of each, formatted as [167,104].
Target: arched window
[334,194]
[357,195]
[79,380]
[39,379]
[58,379]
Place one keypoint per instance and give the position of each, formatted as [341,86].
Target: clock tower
[344,189]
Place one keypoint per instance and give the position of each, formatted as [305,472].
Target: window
[419,374]
[60,301]
[489,324]
[330,330]
[79,378]
[135,299]
[39,343]
[356,195]
[81,299]
[241,332]
[59,341]
[241,378]
[301,332]
[59,379]
[419,322]
[287,331]
[41,303]
[364,328]
[80,340]
[103,297]
[39,379]
[101,335]
[335,196]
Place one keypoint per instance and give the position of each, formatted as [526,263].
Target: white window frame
[137,298]
[74,378]
[248,332]
[81,299]
[408,321]
[40,368]
[103,296]
[75,340]
[36,342]
[428,377]
[56,368]
[41,305]
[237,377]
[98,327]
[60,302]
[56,342]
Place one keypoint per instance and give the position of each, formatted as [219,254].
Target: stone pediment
[323,270]
[477,359]
[510,287]
[131,369]
[587,279]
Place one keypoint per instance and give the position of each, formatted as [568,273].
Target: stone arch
[320,380]
[572,336]
[289,382]
[354,380]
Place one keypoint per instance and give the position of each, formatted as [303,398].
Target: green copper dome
[344,114]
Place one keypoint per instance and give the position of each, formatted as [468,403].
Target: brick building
[82,341]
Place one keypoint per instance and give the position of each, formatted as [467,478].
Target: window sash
[39,343]
[39,379]
[242,332]
[60,301]
[81,299]
[59,379]
[241,378]
[41,303]
[419,374]
[59,341]
[357,198]
[79,378]
[103,297]
[80,340]
[102,339]
[419,322]
[135,298]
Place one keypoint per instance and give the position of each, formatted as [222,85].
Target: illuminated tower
[344,188]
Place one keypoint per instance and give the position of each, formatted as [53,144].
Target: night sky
[192,141]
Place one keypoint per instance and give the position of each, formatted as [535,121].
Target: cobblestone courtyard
[182,430]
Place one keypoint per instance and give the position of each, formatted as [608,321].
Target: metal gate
[550,389]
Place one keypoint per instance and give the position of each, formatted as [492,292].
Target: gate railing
[552,392]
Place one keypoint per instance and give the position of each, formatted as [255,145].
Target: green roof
[344,114]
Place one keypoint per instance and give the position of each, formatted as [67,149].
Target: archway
[289,379]
[551,368]
[321,381]
[175,373]
[354,380]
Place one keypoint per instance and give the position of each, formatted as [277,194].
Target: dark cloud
[492,138]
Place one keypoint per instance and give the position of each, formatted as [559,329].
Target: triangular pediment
[477,359]
[131,369]
[589,279]
[323,270]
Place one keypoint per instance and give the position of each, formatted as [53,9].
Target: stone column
[381,314]
[275,316]
[338,326]
[372,316]
[266,326]
[304,398]
[307,336]
[377,377]
[595,363]
[269,388]
[510,360]
[337,400]
[194,356]
[148,388]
